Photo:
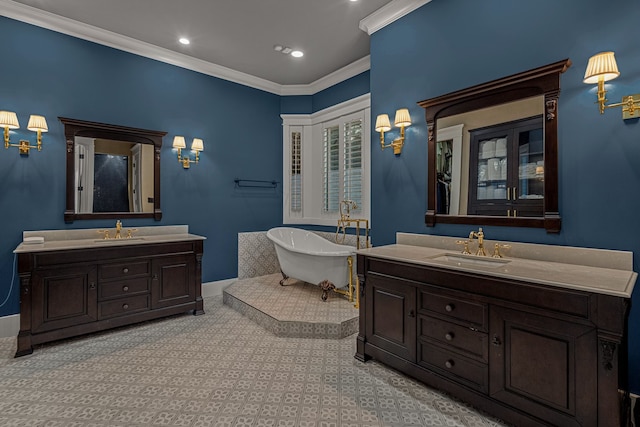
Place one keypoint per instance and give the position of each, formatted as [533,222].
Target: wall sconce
[196,146]
[383,125]
[9,120]
[602,67]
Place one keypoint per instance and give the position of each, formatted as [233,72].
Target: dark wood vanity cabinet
[530,354]
[65,293]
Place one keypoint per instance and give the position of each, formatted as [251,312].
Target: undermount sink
[470,260]
[123,240]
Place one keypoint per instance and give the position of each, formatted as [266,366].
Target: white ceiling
[236,34]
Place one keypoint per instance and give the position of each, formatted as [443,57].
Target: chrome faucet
[480,236]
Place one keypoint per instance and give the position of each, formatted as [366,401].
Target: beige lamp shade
[8,119]
[402,118]
[382,123]
[178,142]
[197,145]
[601,66]
[37,123]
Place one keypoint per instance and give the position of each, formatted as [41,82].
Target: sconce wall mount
[601,68]
[196,146]
[38,124]
[402,121]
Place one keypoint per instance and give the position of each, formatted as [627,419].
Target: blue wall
[340,92]
[448,45]
[241,128]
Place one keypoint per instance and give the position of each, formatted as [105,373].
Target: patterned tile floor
[294,310]
[218,369]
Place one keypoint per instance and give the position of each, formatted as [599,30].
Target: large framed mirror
[112,171]
[493,152]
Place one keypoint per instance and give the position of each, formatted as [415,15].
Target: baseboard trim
[9,326]
[212,289]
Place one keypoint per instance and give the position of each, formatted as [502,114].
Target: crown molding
[50,21]
[344,73]
[389,13]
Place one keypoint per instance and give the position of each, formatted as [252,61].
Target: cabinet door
[506,175]
[174,281]
[544,366]
[63,298]
[390,306]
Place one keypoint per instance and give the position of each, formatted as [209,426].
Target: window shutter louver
[331,169]
[352,170]
[295,189]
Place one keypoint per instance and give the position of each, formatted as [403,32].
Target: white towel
[493,169]
[501,147]
[488,149]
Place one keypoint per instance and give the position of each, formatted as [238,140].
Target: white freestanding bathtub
[305,256]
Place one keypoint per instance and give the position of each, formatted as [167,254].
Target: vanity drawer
[125,269]
[452,365]
[123,288]
[454,308]
[458,338]
[123,306]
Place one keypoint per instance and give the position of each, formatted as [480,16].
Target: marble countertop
[55,240]
[603,280]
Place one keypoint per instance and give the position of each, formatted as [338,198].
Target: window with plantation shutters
[331,169]
[326,158]
[352,169]
[295,177]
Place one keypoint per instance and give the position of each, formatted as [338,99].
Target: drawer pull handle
[125,306]
[449,307]
[412,313]
[125,270]
[449,336]
[449,364]
[496,341]
[125,288]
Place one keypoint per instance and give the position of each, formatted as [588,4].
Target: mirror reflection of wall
[473,120]
[113,176]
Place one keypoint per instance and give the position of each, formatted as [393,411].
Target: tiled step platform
[293,310]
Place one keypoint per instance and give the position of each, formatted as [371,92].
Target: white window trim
[311,128]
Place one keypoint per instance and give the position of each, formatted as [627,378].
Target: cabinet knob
[449,364]
[125,288]
[496,341]
[412,313]
[92,285]
[125,306]
[449,307]
[125,270]
[449,336]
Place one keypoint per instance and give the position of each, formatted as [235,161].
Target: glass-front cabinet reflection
[507,169]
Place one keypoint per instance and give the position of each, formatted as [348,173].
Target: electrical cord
[13,276]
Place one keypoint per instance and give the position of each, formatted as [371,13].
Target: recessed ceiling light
[184,40]
[297,53]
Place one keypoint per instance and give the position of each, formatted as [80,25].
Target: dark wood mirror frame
[73,128]
[539,81]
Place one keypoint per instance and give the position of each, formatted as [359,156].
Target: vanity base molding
[531,354]
[66,293]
